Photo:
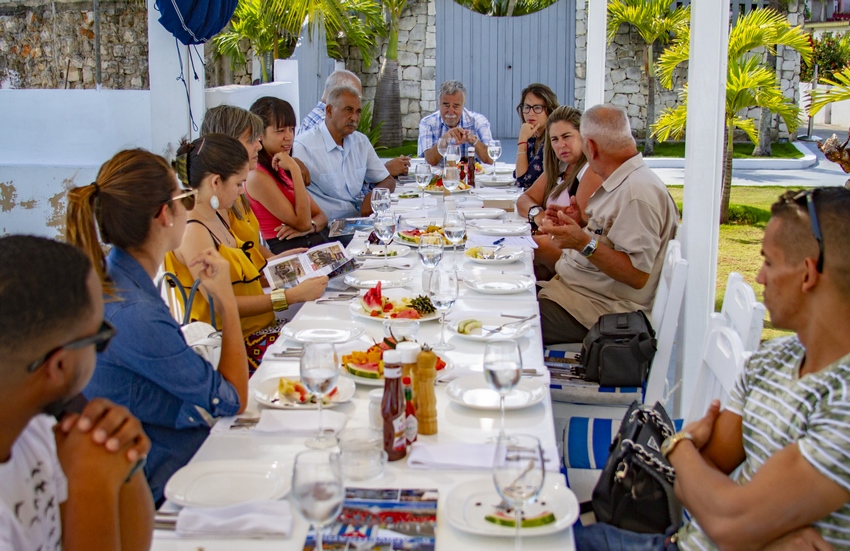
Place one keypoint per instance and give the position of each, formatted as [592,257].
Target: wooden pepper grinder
[425,400]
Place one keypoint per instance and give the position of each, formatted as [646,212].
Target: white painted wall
[243,96]
[835,113]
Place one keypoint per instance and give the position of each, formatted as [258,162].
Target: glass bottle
[392,407]
[411,425]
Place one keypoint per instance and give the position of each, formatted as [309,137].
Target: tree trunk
[727,174]
[649,143]
[762,149]
[387,95]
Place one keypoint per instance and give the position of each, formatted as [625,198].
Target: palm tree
[388,110]
[839,91]
[505,8]
[654,22]
[748,83]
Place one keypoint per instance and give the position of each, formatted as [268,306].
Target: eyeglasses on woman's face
[187,198]
[536,108]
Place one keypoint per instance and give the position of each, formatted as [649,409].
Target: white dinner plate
[501,227]
[223,483]
[473,392]
[474,214]
[393,294]
[469,502]
[514,331]
[441,192]
[502,168]
[422,223]
[499,284]
[377,251]
[323,330]
[446,244]
[266,393]
[495,180]
[366,279]
[505,255]
[406,195]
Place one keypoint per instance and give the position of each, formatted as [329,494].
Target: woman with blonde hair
[536,103]
[567,182]
[137,206]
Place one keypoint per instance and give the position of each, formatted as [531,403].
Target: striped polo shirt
[780,408]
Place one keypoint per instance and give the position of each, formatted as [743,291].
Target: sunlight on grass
[741,150]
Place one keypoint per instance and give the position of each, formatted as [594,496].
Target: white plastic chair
[741,311]
[722,362]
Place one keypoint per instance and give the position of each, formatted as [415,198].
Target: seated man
[75,485]
[614,251]
[453,121]
[396,166]
[340,159]
[785,431]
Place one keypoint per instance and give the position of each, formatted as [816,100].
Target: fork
[492,254]
[499,328]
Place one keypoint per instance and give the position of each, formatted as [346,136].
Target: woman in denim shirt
[136,206]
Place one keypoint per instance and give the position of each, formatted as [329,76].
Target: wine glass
[442,290]
[423,178]
[442,146]
[494,150]
[451,178]
[385,224]
[502,370]
[317,488]
[452,154]
[319,372]
[430,250]
[381,199]
[454,226]
[518,474]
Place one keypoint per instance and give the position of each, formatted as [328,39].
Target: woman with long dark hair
[536,103]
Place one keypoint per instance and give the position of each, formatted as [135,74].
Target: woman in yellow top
[217,165]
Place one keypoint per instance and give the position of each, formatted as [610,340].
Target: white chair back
[742,312]
[722,361]
[665,318]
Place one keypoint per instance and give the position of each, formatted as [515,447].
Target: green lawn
[409,149]
[742,150]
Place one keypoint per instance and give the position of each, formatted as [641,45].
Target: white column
[703,176]
[169,106]
[597,12]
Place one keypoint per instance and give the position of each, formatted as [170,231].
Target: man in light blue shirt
[340,159]
[453,121]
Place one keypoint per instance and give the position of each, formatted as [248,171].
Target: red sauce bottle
[392,407]
[411,424]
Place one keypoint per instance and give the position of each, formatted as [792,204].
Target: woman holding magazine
[216,166]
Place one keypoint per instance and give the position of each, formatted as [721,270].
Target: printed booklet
[328,259]
[348,226]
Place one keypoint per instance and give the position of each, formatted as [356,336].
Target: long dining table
[457,424]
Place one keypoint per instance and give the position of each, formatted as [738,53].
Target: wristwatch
[670,443]
[476,139]
[532,214]
[590,248]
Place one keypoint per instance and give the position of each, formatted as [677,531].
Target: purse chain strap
[647,458]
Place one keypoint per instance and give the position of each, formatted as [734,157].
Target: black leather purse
[618,350]
[635,490]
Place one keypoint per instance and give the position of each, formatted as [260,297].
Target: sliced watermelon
[406,313]
[503,518]
[371,370]
[372,301]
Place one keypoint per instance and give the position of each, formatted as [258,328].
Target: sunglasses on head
[100,340]
[187,198]
[809,197]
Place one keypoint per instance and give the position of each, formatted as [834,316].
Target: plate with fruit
[485,328]
[436,187]
[379,305]
[367,368]
[290,393]
[411,237]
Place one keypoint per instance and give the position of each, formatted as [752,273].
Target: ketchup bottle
[392,408]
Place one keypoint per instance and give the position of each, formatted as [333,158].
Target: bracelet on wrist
[279,302]
[521,143]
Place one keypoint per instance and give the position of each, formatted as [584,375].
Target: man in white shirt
[340,159]
[76,484]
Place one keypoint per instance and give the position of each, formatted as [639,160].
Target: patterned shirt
[432,128]
[313,118]
[535,164]
[779,408]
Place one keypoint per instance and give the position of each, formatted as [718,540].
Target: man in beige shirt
[614,251]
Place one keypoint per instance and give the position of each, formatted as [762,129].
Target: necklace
[216,224]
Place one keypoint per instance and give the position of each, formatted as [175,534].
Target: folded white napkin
[449,375]
[299,422]
[402,263]
[254,519]
[464,456]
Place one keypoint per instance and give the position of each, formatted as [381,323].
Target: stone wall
[51,44]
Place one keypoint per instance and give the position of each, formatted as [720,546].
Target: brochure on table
[388,518]
[328,259]
[347,226]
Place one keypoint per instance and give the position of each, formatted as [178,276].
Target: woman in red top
[288,216]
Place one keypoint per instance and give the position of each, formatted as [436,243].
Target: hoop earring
[214,202]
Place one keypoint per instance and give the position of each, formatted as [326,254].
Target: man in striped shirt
[786,428]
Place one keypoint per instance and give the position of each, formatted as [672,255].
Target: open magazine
[348,226]
[382,519]
[328,259]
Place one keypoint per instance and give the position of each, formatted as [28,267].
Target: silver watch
[533,212]
[590,248]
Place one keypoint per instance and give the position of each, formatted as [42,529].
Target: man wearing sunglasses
[72,484]
[771,470]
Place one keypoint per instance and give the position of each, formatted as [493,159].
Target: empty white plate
[323,330]
[223,483]
[501,227]
[472,391]
[366,279]
[499,284]
[474,214]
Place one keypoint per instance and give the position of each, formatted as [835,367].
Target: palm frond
[675,54]
[671,123]
[766,28]
[748,126]
[840,91]
[653,19]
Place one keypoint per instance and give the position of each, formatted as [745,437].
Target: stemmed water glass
[381,200]
[494,150]
[385,224]
[442,290]
[502,371]
[319,372]
[518,474]
[452,154]
[454,226]
[442,146]
[423,178]
[430,255]
[317,488]
[451,178]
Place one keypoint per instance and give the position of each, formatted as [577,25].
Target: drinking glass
[454,226]
[452,154]
[451,178]
[319,372]
[442,290]
[381,199]
[502,370]
[518,474]
[494,150]
[430,250]
[442,146]
[385,224]
[423,178]
[317,488]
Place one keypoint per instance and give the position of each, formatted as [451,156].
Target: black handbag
[618,349]
[635,490]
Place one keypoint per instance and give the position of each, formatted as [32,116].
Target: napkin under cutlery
[254,519]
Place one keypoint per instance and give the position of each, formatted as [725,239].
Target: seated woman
[137,207]
[216,166]
[289,217]
[566,184]
[536,103]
